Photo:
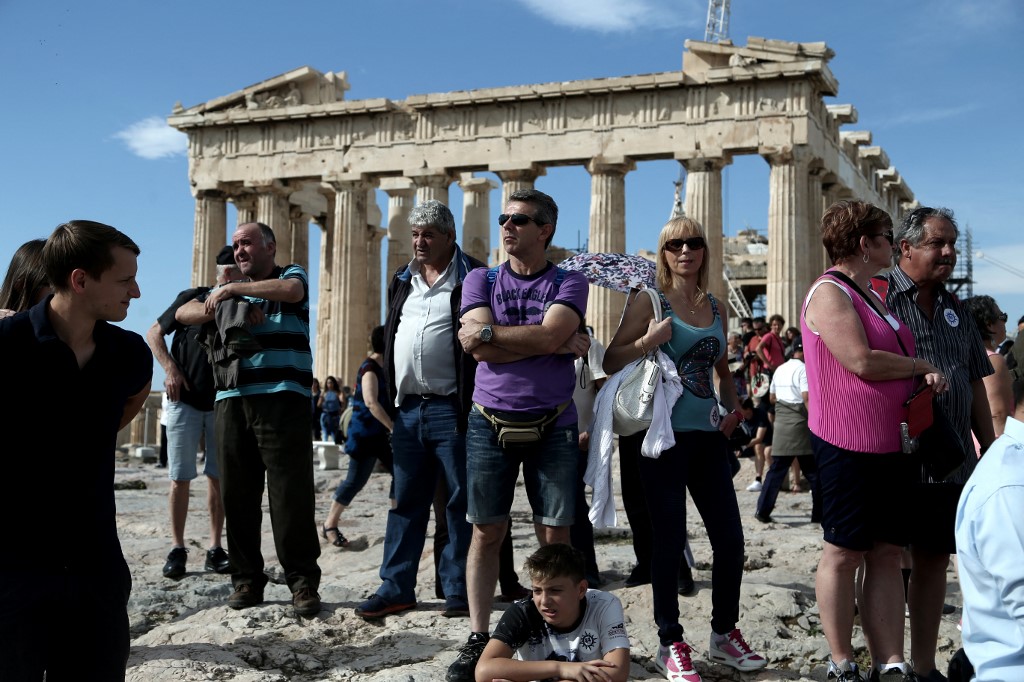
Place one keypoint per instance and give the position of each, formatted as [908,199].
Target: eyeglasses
[693,244]
[889,236]
[518,219]
[1002,317]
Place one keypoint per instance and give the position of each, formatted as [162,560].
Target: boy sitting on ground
[563,632]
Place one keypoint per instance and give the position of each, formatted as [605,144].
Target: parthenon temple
[291,150]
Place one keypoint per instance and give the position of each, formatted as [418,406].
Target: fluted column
[349,310]
[607,235]
[401,194]
[476,215]
[245,206]
[272,209]
[325,293]
[789,259]
[374,236]
[210,235]
[431,183]
[299,229]
[513,180]
[704,204]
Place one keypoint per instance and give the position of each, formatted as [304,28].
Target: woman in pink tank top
[860,370]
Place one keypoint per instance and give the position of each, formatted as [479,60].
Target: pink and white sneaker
[732,650]
[675,664]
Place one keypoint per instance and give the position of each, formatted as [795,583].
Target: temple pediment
[300,87]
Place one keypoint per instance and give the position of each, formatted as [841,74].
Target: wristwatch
[486,333]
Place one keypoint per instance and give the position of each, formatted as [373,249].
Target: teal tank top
[695,350]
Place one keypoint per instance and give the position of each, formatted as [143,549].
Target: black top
[188,354]
[62,421]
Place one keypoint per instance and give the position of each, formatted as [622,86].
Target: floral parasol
[617,271]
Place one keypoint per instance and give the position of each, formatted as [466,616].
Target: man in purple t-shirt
[520,321]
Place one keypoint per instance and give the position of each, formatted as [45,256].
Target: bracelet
[642,347]
[739,415]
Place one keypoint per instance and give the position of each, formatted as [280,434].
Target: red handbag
[919,411]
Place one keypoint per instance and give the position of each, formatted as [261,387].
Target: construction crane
[718,21]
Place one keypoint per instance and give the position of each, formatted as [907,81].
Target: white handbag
[633,407]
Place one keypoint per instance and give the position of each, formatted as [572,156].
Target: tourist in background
[25,283]
[991,323]
[861,368]
[315,409]
[330,409]
[692,334]
[368,437]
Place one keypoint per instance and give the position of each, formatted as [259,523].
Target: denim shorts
[185,425]
[550,470]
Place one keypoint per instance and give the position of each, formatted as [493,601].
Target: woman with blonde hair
[692,334]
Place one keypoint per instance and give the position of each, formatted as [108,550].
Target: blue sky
[88,86]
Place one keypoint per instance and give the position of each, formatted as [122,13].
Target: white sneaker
[675,664]
[754,487]
[733,650]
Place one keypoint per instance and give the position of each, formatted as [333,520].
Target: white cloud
[152,138]
[608,16]
[925,115]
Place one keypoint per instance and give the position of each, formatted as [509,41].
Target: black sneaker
[894,675]
[844,671]
[463,669]
[244,596]
[175,566]
[640,575]
[217,560]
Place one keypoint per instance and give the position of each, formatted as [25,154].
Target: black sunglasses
[518,219]
[693,243]
[1002,317]
[889,236]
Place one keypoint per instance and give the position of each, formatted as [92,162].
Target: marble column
[704,204]
[299,228]
[272,209]
[476,215]
[374,236]
[245,207]
[322,353]
[789,259]
[401,195]
[431,183]
[512,180]
[210,236]
[607,235]
[350,320]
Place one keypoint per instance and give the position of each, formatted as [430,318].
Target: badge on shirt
[951,318]
[715,416]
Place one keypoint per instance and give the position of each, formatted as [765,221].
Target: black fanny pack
[520,428]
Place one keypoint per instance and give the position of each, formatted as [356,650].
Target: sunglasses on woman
[693,244]
[1002,317]
[518,219]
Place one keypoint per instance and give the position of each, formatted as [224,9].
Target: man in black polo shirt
[189,412]
[947,337]
[77,380]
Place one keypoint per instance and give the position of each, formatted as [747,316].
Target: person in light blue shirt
[990,550]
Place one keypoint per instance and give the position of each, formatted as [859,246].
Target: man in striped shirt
[945,336]
[263,424]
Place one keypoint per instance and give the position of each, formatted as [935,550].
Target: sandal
[338,541]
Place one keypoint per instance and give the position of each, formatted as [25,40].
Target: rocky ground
[182,630]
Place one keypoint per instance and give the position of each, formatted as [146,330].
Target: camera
[908,442]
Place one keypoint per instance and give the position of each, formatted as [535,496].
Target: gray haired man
[430,382]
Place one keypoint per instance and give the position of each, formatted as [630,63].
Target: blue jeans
[426,444]
[185,425]
[359,470]
[699,462]
[550,470]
